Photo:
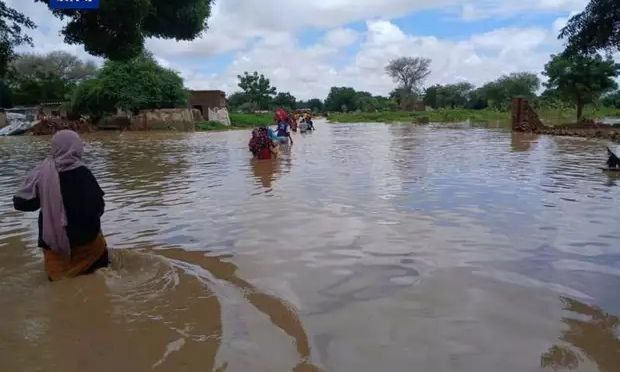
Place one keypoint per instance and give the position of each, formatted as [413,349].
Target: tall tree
[257,89]
[133,85]
[581,79]
[51,77]
[597,27]
[409,72]
[12,25]
[118,28]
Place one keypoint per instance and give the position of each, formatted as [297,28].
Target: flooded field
[365,248]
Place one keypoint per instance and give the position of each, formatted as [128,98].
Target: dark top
[84,205]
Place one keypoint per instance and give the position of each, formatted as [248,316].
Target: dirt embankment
[49,126]
[525,119]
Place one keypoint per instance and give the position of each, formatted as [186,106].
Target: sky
[306,47]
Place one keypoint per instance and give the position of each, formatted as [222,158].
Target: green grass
[250,120]
[436,116]
[549,115]
[238,121]
[568,115]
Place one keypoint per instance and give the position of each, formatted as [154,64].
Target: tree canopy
[51,77]
[12,25]
[498,93]
[597,27]
[581,79]
[285,99]
[257,89]
[409,72]
[341,99]
[612,99]
[118,28]
[451,95]
[314,104]
[133,85]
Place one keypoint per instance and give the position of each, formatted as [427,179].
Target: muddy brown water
[364,248]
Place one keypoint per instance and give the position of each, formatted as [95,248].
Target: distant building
[54,109]
[203,100]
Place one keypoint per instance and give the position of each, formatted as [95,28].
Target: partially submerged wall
[525,119]
[165,119]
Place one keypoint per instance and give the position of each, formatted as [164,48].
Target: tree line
[131,79]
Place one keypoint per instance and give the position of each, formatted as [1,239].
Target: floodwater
[364,248]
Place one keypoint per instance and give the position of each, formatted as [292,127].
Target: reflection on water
[363,248]
[593,336]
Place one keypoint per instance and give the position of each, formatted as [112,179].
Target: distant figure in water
[71,204]
[614,161]
[261,145]
[306,123]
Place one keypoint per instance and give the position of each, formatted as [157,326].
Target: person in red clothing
[261,145]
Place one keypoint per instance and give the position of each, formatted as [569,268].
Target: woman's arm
[26,205]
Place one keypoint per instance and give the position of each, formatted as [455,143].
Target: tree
[597,27]
[133,85]
[500,92]
[409,73]
[285,100]
[118,28]
[257,89]
[341,99]
[612,99]
[51,77]
[5,95]
[314,104]
[581,79]
[12,25]
[236,100]
[62,64]
[451,95]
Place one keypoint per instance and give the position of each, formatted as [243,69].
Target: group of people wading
[265,142]
[71,202]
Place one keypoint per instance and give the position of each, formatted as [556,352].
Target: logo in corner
[74,4]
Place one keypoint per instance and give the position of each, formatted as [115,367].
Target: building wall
[167,119]
[204,100]
[2,119]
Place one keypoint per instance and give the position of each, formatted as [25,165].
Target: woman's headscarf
[281,115]
[44,182]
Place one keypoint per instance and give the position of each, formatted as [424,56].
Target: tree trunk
[579,110]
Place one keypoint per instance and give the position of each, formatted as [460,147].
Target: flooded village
[211,186]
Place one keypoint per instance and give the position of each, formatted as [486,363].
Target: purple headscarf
[44,182]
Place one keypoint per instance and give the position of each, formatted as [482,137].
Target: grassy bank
[568,115]
[549,116]
[436,116]
[238,121]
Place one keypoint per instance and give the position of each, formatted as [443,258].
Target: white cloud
[310,72]
[263,37]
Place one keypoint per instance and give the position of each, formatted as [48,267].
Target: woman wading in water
[71,204]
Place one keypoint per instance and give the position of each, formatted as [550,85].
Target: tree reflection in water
[593,335]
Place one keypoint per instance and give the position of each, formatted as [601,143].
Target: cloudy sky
[306,47]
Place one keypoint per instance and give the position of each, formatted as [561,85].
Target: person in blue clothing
[283,131]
